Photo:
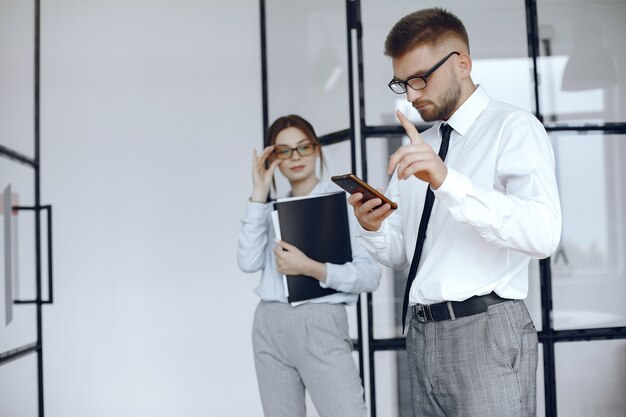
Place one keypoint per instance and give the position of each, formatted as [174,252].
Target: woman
[307,346]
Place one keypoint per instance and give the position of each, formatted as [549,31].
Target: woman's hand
[292,261]
[261,176]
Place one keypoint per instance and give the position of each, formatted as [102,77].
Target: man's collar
[466,115]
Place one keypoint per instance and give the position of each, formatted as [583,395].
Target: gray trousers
[483,365]
[307,346]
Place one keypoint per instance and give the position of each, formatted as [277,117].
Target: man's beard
[447,102]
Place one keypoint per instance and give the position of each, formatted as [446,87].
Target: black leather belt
[450,310]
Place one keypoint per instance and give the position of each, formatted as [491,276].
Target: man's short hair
[424,27]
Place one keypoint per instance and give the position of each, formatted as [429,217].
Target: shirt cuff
[329,276]
[454,189]
[255,210]
[371,234]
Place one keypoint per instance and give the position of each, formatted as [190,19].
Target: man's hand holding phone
[371,213]
[370,206]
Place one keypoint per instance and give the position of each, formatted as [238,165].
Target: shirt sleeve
[386,245]
[253,237]
[522,210]
[361,275]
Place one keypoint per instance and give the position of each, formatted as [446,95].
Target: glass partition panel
[393,391]
[583,61]
[307,65]
[16,76]
[378,150]
[496,59]
[591,378]
[387,299]
[378,17]
[18,322]
[337,159]
[18,381]
[588,268]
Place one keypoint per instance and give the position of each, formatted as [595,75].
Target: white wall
[150,110]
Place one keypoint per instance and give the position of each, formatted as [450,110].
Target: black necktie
[421,234]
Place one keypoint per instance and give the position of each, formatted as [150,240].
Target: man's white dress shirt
[497,208]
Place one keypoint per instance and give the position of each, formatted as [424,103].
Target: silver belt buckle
[424,314]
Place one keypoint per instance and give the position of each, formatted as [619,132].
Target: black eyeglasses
[285,152]
[418,82]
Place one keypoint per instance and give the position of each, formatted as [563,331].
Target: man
[471,344]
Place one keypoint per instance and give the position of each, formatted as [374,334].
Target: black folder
[318,226]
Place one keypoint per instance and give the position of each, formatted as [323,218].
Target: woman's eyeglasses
[285,152]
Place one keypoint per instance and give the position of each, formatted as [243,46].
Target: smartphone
[353,184]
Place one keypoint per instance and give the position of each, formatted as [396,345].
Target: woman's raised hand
[262,176]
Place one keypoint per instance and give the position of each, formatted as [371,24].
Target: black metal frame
[548,336]
[35,164]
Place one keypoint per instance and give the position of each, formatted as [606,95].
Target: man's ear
[465,65]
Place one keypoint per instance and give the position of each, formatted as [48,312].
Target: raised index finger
[409,128]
